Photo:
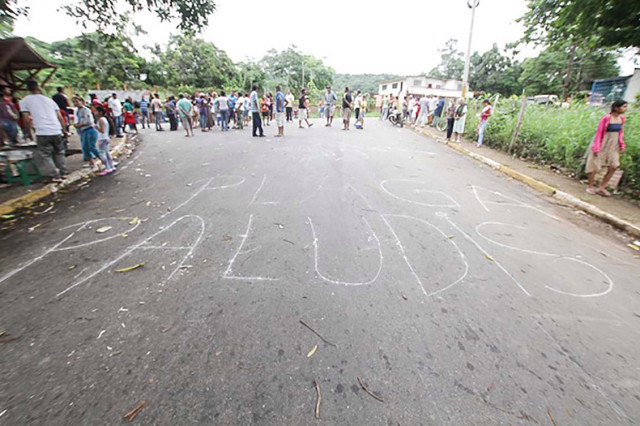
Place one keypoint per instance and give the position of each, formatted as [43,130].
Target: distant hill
[365,82]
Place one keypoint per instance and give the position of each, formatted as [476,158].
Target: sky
[351,36]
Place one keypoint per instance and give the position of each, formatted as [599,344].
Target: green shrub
[552,135]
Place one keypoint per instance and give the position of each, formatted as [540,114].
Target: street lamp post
[465,79]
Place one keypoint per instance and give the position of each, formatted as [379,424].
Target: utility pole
[465,79]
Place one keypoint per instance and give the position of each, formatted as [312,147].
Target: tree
[494,72]
[91,59]
[247,74]
[368,83]
[611,23]
[109,16]
[546,73]
[451,64]
[190,61]
[290,67]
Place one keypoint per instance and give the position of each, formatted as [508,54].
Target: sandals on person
[603,192]
[591,191]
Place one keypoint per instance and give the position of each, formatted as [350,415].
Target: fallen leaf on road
[131,268]
[633,246]
[7,216]
[124,235]
[134,221]
[449,237]
[103,229]
[404,297]
[553,420]
[72,267]
[101,333]
[133,413]
[319,399]
[489,258]
[148,203]
[312,351]
[362,385]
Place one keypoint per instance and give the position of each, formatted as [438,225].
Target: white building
[422,85]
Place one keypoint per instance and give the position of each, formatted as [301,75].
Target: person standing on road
[170,108]
[185,108]
[451,114]
[438,111]
[49,126]
[130,114]
[223,106]
[303,104]
[347,101]
[103,141]
[232,100]
[606,147]
[280,104]
[330,100]
[487,110]
[424,111]
[460,118]
[363,111]
[116,111]
[255,112]
[63,103]
[85,125]
[144,112]
[384,112]
[264,109]
[156,108]
[290,101]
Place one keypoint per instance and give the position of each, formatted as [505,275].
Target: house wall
[633,87]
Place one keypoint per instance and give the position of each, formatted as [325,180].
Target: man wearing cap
[330,100]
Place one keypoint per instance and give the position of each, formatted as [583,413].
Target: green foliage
[558,136]
[368,83]
[288,67]
[190,61]
[609,23]
[452,62]
[91,59]
[494,72]
[112,16]
[545,74]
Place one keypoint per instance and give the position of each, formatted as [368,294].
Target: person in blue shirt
[438,111]
[280,105]
[144,113]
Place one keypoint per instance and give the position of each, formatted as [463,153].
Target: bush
[552,135]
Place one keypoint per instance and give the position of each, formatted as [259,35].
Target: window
[429,86]
[394,86]
[459,86]
[417,83]
[437,86]
[384,87]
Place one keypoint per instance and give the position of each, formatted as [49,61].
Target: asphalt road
[456,295]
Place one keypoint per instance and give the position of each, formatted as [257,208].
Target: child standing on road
[104,135]
[88,134]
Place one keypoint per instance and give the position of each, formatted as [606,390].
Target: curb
[564,197]
[10,206]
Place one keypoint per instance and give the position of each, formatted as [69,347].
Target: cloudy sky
[352,36]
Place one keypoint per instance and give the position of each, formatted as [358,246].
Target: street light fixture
[465,79]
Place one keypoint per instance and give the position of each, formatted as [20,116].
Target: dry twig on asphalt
[368,391]
[316,333]
[133,413]
[319,399]
[553,420]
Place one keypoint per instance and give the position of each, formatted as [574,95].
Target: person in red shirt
[487,110]
[8,117]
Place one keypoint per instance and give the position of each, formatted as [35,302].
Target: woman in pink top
[606,147]
[487,110]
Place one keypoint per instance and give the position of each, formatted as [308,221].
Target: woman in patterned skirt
[606,147]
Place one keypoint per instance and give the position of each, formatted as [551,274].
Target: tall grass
[552,135]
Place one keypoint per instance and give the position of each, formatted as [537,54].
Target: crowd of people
[95,121]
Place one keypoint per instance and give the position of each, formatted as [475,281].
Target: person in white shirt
[49,127]
[223,109]
[116,110]
[291,100]
[240,112]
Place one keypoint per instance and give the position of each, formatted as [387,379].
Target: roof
[17,55]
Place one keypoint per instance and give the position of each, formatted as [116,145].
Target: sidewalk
[17,196]
[621,213]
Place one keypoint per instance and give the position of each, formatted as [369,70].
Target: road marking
[188,200]
[227,273]
[315,247]
[453,204]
